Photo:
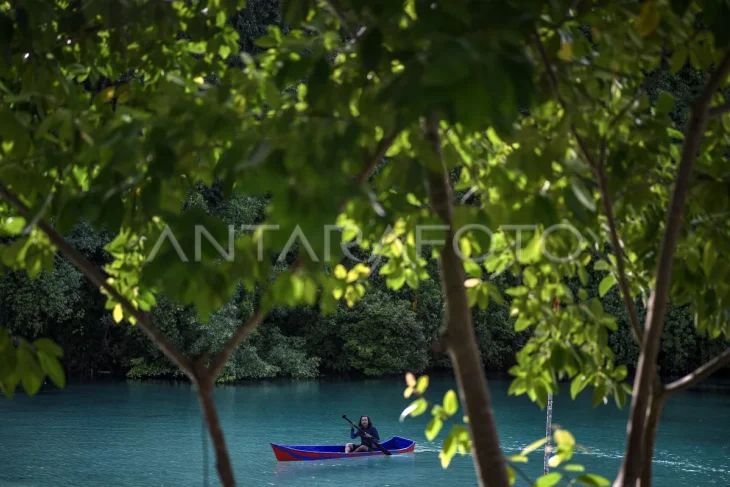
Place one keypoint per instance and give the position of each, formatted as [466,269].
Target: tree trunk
[652,422]
[549,420]
[222,460]
[548,431]
[461,342]
[633,461]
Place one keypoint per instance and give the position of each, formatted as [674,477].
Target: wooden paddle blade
[380,447]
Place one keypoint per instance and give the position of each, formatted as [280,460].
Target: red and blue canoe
[297,453]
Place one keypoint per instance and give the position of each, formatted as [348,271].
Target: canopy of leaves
[305,121]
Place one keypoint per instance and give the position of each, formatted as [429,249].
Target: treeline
[388,332]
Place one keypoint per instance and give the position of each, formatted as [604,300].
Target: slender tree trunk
[630,471]
[548,431]
[222,459]
[549,420]
[460,337]
[652,422]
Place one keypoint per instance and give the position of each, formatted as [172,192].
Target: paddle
[377,445]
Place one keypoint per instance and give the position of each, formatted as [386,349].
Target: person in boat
[366,440]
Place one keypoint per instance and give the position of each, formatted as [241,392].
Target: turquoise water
[149,434]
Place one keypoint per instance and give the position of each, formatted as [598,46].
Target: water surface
[150,434]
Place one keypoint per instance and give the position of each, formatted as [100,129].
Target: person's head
[365,421]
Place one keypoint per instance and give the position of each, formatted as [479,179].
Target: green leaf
[648,19]
[13,225]
[592,479]
[511,475]
[679,59]
[416,408]
[522,324]
[422,384]
[620,397]
[30,371]
[450,445]
[620,373]
[483,298]
[433,428]
[8,359]
[533,446]
[541,394]
[664,103]
[578,383]
[555,461]
[531,252]
[564,438]
[473,269]
[548,480]
[583,275]
[599,393]
[606,284]
[340,271]
[371,49]
[445,70]
[4,339]
[295,11]
[709,257]
[573,467]
[583,194]
[14,252]
[451,403]
[52,368]
[318,84]
[10,383]
[49,347]
[529,277]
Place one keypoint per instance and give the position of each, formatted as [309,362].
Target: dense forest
[388,332]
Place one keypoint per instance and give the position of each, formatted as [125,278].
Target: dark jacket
[365,441]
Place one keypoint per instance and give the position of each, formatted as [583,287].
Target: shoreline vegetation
[389,332]
[719,382]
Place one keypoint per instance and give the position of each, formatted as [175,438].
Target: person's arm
[353,435]
[375,434]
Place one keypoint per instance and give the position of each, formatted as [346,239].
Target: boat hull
[297,453]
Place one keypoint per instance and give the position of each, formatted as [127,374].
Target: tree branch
[652,422]
[699,374]
[607,201]
[243,331]
[623,282]
[718,110]
[336,9]
[379,153]
[656,311]
[219,361]
[372,161]
[96,276]
[468,369]
[210,415]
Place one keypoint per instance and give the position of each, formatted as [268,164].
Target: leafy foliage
[458,439]
[28,363]
[557,118]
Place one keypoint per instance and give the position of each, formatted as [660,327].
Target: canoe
[295,453]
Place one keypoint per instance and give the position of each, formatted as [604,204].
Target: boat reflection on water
[322,469]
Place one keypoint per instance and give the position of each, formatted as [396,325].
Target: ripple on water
[143,434]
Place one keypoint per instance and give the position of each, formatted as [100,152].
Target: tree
[536,110]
